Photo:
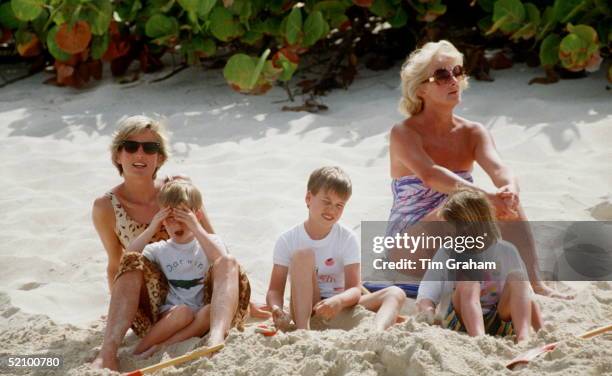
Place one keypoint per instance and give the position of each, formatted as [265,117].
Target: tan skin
[138,195]
[324,210]
[435,142]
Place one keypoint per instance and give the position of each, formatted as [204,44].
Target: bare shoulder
[473,128]
[102,208]
[405,131]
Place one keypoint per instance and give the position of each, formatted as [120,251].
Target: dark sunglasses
[148,147]
[444,76]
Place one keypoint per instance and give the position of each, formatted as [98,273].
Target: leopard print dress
[127,229]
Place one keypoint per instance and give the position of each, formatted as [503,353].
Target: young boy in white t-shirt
[322,259]
[184,259]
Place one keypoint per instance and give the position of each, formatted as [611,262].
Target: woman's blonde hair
[179,192]
[415,71]
[470,212]
[134,125]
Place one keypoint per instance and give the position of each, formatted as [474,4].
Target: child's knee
[468,290]
[396,294]
[183,314]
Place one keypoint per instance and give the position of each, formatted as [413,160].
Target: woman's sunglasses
[148,147]
[445,76]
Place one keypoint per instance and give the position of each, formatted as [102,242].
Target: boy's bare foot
[541,289]
[109,362]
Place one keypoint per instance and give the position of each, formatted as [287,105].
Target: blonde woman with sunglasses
[433,152]
[138,287]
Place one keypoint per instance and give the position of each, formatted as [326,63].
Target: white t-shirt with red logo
[338,249]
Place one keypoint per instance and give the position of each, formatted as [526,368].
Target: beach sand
[251,161]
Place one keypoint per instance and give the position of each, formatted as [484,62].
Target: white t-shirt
[435,284]
[185,266]
[338,249]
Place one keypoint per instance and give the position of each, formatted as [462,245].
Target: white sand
[251,161]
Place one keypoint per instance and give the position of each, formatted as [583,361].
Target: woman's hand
[328,308]
[503,205]
[510,195]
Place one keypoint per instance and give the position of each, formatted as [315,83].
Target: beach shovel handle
[178,360]
[596,332]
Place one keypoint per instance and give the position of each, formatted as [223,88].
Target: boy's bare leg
[466,302]
[172,322]
[122,309]
[197,328]
[515,304]
[387,304]
[304,287]
[224,302]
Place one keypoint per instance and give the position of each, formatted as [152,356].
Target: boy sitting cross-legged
[322,259]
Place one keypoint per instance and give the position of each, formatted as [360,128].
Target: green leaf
[7,17]
[99,14]
[27,10]
[486,5]
[159,26]
[53,48]
[400,19]
[533,20]
[549,50]
[293,26]
[190,5]
[40,23]
[258,68]
[99,45]
[330,7]
[485,23]
[128,10]
[508,15]
[287,66]
[337,19]
[314,27]
[239,70]
[251,37]
[382,8]
[205,7]
[223,25]
[566,9]
[548,22]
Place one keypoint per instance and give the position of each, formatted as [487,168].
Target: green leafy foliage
[263,41]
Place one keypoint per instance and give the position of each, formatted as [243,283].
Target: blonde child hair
[179,192]
[471,213]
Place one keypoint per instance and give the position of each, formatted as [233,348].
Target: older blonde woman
[433,152]
[137,286]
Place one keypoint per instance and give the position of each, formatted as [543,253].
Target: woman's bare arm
[488,158]
[103,218]
[407,148]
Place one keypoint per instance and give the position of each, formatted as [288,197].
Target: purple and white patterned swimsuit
[413,200]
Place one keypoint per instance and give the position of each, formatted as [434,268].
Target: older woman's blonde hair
[415,71]
[135,125]
[471,213]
